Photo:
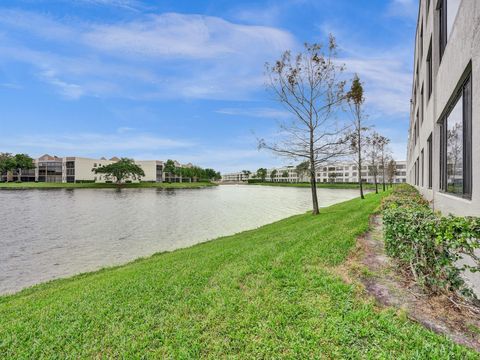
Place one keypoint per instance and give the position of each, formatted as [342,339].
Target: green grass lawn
[265,293]
[44,185]
[321,185]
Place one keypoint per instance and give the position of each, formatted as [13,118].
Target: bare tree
[356,137]
[391,171]
[372,154]
[308,85]
[384,155]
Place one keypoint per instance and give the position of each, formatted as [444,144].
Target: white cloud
[262,112]
[70,91]
[403,8]
[153,56]
[93,144]
[186,36]
[387,81]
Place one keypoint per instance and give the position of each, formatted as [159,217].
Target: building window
[420,41]
[430,159]
[417,171]
[447,11]
[421,105]
[422,173]
[456,144]
[429,70]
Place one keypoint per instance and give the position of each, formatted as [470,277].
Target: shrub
[427,244]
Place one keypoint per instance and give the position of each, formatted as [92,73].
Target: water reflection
[48,234]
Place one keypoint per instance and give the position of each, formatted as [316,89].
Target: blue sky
[184,79]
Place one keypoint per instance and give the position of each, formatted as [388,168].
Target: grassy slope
[320,185]
[40,185]
[263,293]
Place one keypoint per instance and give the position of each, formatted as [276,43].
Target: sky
[185,79]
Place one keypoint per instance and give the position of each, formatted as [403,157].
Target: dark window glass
[429,70]
[442,21]
[447,12]
[420,43]
[455,144]
[422,173]
[430,157]
[421,105]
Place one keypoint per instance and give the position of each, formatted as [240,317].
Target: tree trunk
[383,177]
[376,183]
[360,182]
[313,186]
[313,180]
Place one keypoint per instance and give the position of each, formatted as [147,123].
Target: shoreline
[145,185]
[273,288]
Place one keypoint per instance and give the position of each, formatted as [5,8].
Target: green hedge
[427,244]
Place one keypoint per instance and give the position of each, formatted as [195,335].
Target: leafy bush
[427,244]
[84,181]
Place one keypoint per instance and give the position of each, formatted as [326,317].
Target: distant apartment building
[444,138]
[78,169]
[345,172]
[236,177]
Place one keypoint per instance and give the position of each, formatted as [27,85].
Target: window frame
[429,71]
[430,161]
[464,91]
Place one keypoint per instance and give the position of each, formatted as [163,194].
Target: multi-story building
[78,169]
[345,172]
[236,177]
[444,137]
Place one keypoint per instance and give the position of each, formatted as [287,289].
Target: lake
[49,234]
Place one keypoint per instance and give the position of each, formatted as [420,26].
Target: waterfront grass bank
[272,292]
[46,185]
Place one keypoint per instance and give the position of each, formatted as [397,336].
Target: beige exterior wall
[462,49]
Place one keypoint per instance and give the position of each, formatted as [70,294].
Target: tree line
[17,162]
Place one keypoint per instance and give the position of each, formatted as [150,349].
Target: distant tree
[23,162]
[332,176]
[186,173]
[391,171]
[356,137]
[302,169]
[373,155]
[7,163]
[246,173]
[262,174]
[121,170]
[273,173]
[285,174]
[170,169]
[19,162]
[384,155]
[210,174]
[310,87]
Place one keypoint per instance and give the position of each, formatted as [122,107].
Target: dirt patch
[381,279]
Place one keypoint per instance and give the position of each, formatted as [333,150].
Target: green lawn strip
[264,293]
[319,185]
[42,185]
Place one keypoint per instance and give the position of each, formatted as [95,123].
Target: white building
[236,177]
[78,169]
[444,138]
[344,172]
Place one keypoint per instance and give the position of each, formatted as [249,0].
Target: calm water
[47,234]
